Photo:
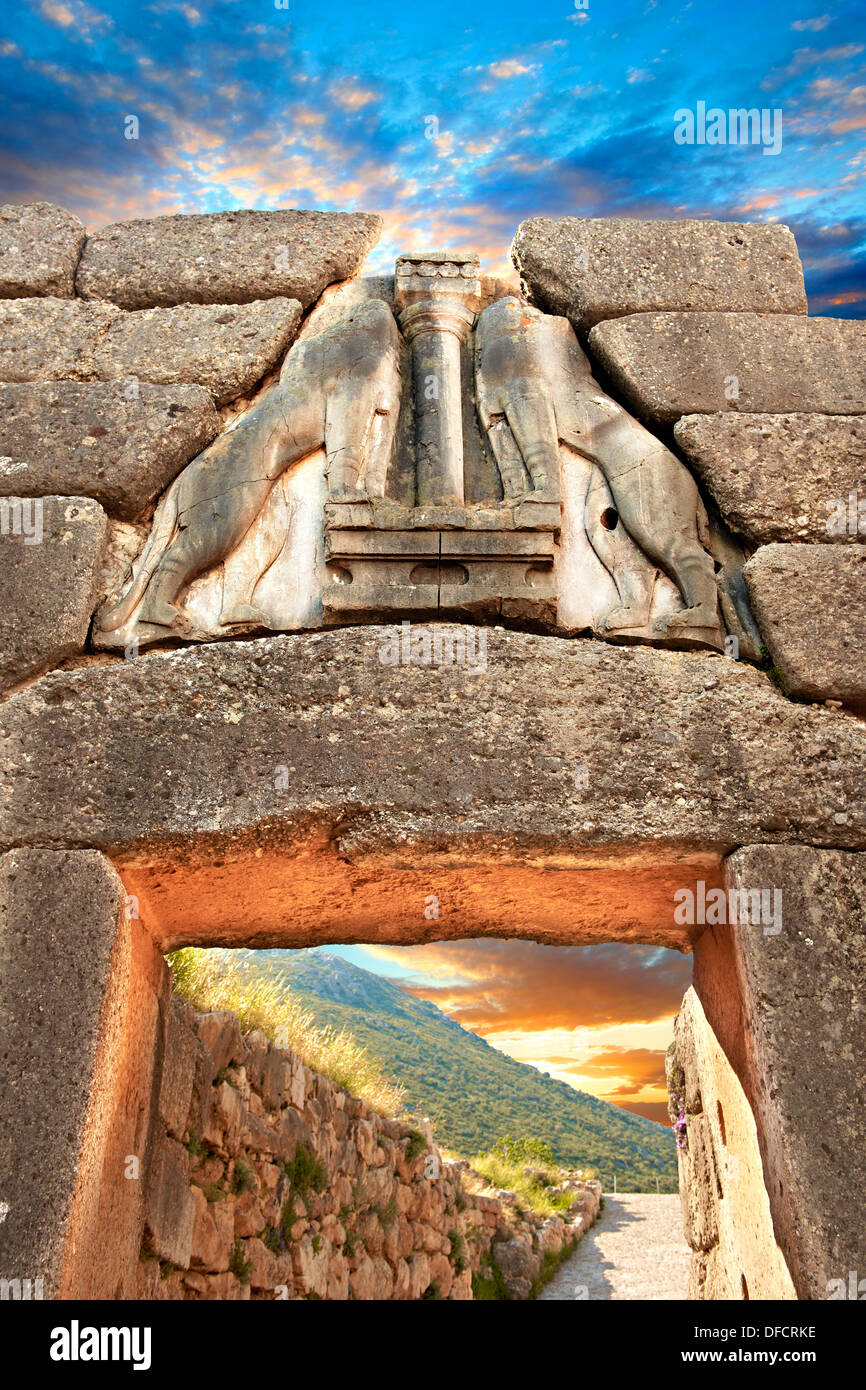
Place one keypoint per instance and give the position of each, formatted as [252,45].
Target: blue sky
[541,109]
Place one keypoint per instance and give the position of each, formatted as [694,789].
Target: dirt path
[635,1250]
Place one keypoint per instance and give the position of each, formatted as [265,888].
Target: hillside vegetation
[215,980]
[472,1093]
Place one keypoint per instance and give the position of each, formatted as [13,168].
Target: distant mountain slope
[472,1093]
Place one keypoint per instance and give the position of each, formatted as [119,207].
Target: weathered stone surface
[228,777]
[225,347]
[52,339]
[810,604]
[594,268]
[39,249]
[803,989]
[225,257]
[726,1209]
[212,1233]
[671,364]
[327,398]
[782,477]
[48,589]
[59,916]
[179,1067]
[116,442]
[171,1207]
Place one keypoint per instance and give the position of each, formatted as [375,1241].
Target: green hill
[472,1093]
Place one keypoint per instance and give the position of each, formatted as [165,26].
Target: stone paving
[635,1250]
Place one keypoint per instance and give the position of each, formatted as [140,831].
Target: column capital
[437,290]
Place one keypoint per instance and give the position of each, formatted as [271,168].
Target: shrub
[458,1250]
[417,1144]
[488,1285]
[524,1150]
[240,1267]
[274,1239]
[305,1173]
[387,1214]
[243,1178]
[550,1263]
[527,1168]
[196,1148]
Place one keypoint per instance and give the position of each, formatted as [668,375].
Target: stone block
[51,550]
[810,604]
[670,364]
[782,477]
[715,755]
[726,1209]
[594,268]
[212,1233]
[60,914]
[117,442]
[40,245]
[225,257]
[178,1069]
[219,1034]
[171,1206]
[227,348]
[803,990]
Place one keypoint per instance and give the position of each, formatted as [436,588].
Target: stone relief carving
[338,394]
[465,464]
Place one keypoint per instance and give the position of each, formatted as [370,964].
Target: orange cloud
[510,67]
[351,97]
[490,986]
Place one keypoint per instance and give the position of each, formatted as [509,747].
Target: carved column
[438,297]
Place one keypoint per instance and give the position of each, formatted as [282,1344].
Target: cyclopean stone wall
[270,1181]
[538,781]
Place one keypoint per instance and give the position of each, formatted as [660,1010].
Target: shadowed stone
[170,1208]
[59,916]
[594,268]
[39,249]
[179,1066]
[667,365]
[782,477]
[117,442]
[225,347]
[810,604]
[803,990]
[48,590]
[225,257]
[726,1211]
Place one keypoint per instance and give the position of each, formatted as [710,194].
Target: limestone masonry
[317,588]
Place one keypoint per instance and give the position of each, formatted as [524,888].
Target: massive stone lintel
[297,785]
